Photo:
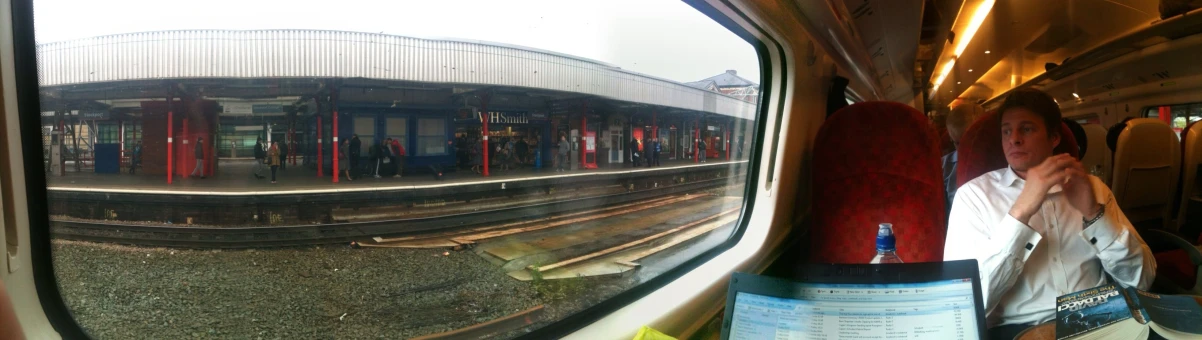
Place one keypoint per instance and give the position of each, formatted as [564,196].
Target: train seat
[869,174]
[1078,134]
[1146,163]
[1097,154]
[981,148]
[1191,157]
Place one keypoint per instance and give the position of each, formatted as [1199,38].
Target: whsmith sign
[513,117]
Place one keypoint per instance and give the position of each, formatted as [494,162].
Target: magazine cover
[1175,312]
[1090,309]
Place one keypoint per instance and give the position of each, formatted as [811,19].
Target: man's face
[1025,139]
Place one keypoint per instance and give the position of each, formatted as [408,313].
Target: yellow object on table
[647,333]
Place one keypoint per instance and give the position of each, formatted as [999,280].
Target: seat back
[1097,155]
[877,162]
[981,148]
[1191,157]
[1146,164]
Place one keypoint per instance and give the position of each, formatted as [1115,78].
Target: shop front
[528,131]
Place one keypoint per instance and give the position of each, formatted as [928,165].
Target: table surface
[1047,330]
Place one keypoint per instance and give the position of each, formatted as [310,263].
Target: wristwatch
[1101,211]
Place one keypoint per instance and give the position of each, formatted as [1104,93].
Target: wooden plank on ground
[675,240]
[580,239]
[504,324]
[512,224]
[633,243]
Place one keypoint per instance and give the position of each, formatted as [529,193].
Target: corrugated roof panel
[312,53]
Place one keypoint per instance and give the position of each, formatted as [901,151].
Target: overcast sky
[663,38]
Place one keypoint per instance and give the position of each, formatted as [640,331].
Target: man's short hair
[964,115]
[1037,102]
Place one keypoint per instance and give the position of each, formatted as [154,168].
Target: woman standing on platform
[343,163]
[273,155]
[477,155]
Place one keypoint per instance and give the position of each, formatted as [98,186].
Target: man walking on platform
[136,159]
[562,161]
[655,149]
[354,155]
[200,158]
[260,157]
[398,152]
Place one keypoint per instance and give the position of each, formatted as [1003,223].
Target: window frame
[60,317]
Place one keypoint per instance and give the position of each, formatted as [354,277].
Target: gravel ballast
[121,292]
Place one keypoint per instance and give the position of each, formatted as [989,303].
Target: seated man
[961,117]
[1041,227]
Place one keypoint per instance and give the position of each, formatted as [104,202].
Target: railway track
[339,233]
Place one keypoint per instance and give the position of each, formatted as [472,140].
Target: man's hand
[1079,191]
[1054,170]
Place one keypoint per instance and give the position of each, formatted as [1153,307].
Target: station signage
[93,114]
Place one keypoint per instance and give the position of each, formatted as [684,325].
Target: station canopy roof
[295,65]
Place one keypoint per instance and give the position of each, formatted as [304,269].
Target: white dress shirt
[1024,268]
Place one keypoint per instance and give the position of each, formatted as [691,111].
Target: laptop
[934,300]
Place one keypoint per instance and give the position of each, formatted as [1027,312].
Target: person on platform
[636,152]
[356,149]
[656,148]
[958,120]
[477,154]
[523,150]
[284,155]
[1041,227]
[378,152]
[701,150]
[398,157]
[136,159]
[260,157]
[344,160]
[199,152]
[273,156]
[561,163]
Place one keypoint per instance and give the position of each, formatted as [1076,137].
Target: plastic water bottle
[886,251]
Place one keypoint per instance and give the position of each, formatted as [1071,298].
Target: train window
[1177,116]
[225,173]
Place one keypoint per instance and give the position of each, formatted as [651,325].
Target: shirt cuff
[1016,237]
[1103,232]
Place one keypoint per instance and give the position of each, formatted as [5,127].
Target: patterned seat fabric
[887,171]
[981,148]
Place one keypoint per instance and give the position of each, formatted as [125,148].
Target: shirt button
[1054,259]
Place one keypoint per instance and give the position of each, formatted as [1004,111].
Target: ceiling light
[978,17]
[970,70]
[986,51]
[1076,96]
[974,24]
[957,83]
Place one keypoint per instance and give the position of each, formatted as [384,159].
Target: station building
[310,89]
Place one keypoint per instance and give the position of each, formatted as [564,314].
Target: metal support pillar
[334,134]
[170,142]
[484,129]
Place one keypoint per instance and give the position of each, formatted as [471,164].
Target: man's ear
[1055,140]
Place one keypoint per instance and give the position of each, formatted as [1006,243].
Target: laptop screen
[941,309]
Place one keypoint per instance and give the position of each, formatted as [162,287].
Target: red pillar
[583,132]
[696,138]
[170,142]
[484,130]
[184,153]
[121,139]
[317,116]
[334,109]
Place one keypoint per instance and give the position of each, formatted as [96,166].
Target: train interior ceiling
[1105,62]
